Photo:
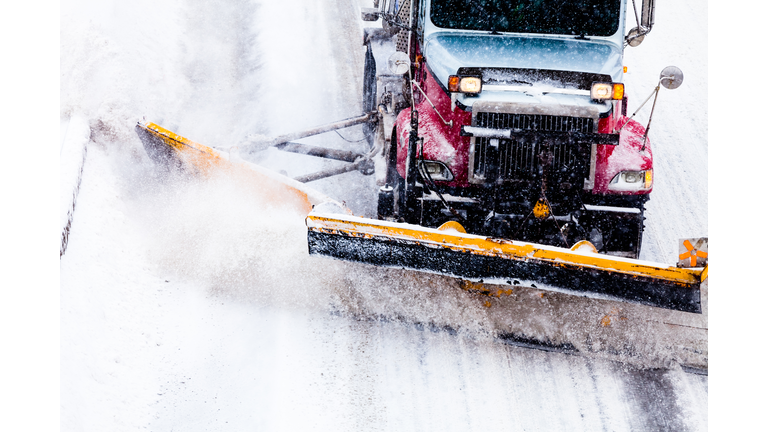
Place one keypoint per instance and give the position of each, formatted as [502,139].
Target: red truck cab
[510,119]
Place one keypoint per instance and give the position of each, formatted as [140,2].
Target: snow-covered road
[189,305]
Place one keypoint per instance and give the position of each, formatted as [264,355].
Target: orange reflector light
[618,91]
[453,83]
[625,69]
[648,179]
[541,210]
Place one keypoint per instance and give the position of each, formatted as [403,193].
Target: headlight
[437,171]
[467,84]
[632,176]
[632,181]
[607,91]
[470,85]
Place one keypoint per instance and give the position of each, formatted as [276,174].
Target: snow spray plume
[222,234]
[177,67]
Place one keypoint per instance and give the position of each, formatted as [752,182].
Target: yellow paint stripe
[195,154]
[503,248]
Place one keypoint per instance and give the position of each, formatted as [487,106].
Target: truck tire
[394,180]
[627,236]
[369,94]
[620,234]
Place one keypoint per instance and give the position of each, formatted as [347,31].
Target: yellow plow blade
[473,257]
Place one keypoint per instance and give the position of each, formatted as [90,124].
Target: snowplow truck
[503,154]
[509,118]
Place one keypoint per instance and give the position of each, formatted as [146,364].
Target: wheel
[391,157]
[390,203]
[369,94]
[619,234]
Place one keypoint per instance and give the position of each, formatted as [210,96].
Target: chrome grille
[535,122]
[519,159]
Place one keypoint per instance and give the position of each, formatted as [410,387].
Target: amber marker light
[618,91]
[453,83]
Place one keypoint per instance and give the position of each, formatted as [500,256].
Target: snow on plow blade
[473,257]
[334,232]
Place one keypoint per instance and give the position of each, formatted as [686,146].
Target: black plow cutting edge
[574,280]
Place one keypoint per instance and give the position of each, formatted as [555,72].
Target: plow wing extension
[171,150]
[446,250]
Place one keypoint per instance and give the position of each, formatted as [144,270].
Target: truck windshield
[565,17]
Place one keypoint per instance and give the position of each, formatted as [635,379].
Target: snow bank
[74,148]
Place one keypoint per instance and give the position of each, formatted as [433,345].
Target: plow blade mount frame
[473,257]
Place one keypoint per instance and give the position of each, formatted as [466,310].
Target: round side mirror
[634,37]
[671,77]
[398,63]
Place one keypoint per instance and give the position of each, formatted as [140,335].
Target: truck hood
[447,52]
